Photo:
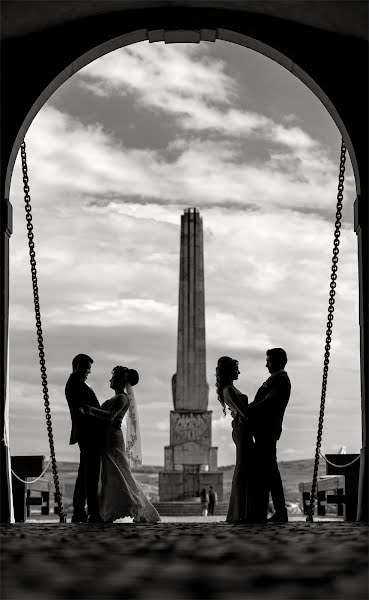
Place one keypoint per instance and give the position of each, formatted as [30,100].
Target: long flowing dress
[120,495]
[244,502]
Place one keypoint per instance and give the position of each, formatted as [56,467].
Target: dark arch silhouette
[323,43]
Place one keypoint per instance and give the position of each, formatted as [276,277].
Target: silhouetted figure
[244,502]
[85,432]
[204,499]
[212,500]
[121,495]
[265,418]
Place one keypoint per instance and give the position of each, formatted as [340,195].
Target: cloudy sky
[115,156]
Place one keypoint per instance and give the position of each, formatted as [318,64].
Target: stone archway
[307,51]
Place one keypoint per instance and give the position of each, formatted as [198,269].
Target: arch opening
[181,39]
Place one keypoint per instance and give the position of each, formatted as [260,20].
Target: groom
[85,432]
[265,415]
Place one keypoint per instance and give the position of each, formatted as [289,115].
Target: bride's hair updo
[133,377]
[125,374]
[224,375]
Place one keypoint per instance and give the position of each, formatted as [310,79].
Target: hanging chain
[328,338]
[41,351]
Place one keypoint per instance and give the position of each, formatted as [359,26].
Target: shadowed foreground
[185,560]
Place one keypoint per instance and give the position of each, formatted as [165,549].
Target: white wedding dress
[120,495]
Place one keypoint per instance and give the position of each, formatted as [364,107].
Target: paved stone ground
[179,561]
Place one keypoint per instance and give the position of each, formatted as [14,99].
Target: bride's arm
[109,415]
[233,401]
[105,415]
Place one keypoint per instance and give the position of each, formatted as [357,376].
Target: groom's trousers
[87,481]
[270,476]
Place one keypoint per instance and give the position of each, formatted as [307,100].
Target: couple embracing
[256,429]
[104,476]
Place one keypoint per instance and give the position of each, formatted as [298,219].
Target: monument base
[187,484]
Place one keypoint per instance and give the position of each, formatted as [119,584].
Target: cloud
[159,74]
[162,425]
[289,451]
[196,91]
[222,424]
[79,163]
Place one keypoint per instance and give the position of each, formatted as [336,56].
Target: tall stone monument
[190,461]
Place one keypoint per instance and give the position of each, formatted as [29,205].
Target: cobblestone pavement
[179,561]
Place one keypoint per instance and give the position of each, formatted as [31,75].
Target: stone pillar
[6,508]
[361,228]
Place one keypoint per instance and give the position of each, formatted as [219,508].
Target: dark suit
[212,502]
[265,415]
[85,432]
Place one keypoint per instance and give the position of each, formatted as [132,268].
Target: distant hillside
[293,472]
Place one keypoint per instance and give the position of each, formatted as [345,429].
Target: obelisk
[190,389]
[190,461]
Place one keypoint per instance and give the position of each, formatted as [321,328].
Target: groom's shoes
[279,518]
[95,519]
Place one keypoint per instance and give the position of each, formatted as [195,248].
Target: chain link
[328,338]
[41,351]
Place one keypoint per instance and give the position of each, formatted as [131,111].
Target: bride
[245,504]
[120,494]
